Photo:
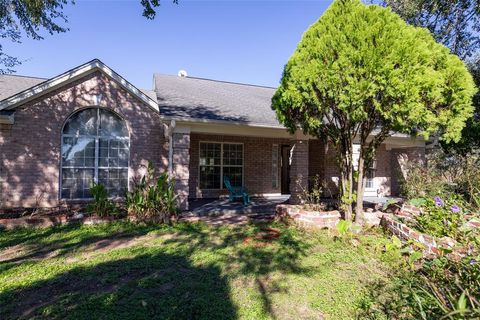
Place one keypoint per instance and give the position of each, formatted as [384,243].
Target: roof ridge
[221,81]
[19,75]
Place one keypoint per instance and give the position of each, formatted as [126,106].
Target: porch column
[298,167]
[180,165]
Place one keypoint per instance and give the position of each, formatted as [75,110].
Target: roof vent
[182,74]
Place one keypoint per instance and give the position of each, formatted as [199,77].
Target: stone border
[48,221]
[306,218]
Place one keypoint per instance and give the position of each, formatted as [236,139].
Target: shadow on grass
[36,244]
[156,286]
[282,255]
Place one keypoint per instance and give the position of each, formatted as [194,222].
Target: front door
[285,159]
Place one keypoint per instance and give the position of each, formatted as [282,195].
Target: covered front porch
[273,165]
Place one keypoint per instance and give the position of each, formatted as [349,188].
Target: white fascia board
[69,76]
[233,129]
[220,122]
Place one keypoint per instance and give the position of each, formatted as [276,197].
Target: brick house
[89,124]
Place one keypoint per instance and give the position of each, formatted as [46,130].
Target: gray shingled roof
[209,100]
[13,84]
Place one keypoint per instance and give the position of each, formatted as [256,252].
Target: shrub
[313,197]
[422,181]
[444,175]
[153,199]
[468,183]
[102,206]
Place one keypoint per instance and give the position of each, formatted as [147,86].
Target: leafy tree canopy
[470,140]
[361,72]
[29,16]
[359,63]
[455,23]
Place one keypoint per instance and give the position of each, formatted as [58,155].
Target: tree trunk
[346,179]
[360,189]
[345,194]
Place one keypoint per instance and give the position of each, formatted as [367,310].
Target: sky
[238,41]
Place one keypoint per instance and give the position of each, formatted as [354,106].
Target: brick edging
[48,221]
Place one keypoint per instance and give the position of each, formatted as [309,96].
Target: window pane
[76,183]
[210,154]
[114,180]
[232,154]
[78,152]
[82,123]
[113,153]
[370,178]
[235,175]
[209,177]
[112,125]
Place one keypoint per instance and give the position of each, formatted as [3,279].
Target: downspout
[171,127]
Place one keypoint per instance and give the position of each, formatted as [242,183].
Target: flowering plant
[443,217]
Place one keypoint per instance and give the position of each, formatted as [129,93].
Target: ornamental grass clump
[152,199]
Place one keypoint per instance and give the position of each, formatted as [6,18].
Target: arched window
[95,148]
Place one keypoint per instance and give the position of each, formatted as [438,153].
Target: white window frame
[221,163]
[96,138]
[373,168]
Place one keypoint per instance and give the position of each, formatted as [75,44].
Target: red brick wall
[400,160]
[30,149]
[316,158]
[257,153]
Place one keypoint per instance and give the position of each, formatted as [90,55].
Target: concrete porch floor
[224,212]
[209,207]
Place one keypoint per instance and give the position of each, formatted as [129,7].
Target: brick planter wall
[406,233]
[305,218]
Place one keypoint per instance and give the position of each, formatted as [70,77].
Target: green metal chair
[236,192]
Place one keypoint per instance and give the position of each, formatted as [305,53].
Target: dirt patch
[106,245]
[31,252]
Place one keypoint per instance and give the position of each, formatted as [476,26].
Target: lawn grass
[186,271]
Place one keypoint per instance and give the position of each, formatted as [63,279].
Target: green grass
[186,271]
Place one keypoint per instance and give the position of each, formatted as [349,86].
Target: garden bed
[44,221]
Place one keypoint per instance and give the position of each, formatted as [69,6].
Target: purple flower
[473,262]
[455,208]
[438,201]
